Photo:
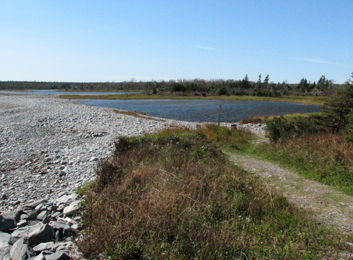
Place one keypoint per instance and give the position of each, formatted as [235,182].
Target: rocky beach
[49,147]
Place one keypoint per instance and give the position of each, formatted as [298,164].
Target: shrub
[280,128]
[338,106]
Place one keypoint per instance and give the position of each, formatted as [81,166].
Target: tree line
[243,86]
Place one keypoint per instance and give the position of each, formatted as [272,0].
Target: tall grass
[174,195]
[324,157]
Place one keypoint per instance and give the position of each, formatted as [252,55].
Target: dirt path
[329,206]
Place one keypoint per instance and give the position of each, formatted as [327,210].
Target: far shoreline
[305,100]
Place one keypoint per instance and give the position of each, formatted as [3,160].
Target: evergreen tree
[258,83]
[266,80]
[245,82]
[303,85]
[339,106]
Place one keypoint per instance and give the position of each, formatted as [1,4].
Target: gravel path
[50,145]
[329,206]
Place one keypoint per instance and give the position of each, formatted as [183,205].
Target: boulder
[50,246]
[4,239]
[7,221]
[72,208]
[4,246]
[43,216]
[31,214]
[24,232]
[20,251]
[40,235]
[64,228]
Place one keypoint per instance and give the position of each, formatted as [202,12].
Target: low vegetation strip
[137,114]
[307,100]
[174,195]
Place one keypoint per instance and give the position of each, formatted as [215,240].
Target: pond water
[57,92]
[205,110]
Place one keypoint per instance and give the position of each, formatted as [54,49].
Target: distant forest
[189,87]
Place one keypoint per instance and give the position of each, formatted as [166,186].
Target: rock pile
[42,230]
[50,145]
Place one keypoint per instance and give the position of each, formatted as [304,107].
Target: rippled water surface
[205,110]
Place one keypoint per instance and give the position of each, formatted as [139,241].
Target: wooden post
[219,115]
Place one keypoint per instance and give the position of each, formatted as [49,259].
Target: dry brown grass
[325,157]
[137,114]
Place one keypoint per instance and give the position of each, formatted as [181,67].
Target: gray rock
[4,239]
[62,200]
[24,217]
[32,214]
[39,207]
[63,227]
[42,215]
[72,208]
[38,257]
[19,251]
[50,246]
[43,234]
[93,159]
[7,221]
[5,253]
[22,223]
[34,204]
[58,256]
[56,214]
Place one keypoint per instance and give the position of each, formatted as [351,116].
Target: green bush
[338,107]
[280,128]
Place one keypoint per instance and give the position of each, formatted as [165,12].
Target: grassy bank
[326,158]
[289,117]
[311,146]
[307,100]
[174,195]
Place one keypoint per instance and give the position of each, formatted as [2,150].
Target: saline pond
[205,110]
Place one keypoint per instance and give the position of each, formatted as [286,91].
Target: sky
[123,40]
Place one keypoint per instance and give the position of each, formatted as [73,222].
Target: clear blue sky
[91,40]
